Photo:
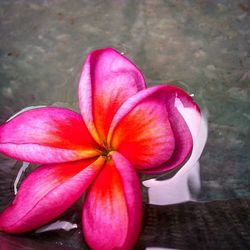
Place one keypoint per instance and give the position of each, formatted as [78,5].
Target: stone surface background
[203,46]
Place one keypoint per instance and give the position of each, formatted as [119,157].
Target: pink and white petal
[47,135]
[107,80]
[47,192]
[185,118]
[112,210]
[141,130]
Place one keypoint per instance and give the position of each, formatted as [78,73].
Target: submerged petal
[47,135]
[107,80]
[113,207]
[141,130]
[46,193]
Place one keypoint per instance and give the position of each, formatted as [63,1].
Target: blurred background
[202,46]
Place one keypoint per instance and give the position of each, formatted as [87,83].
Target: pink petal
[150,129]
[141,130]
[184,117]
[107,80]
[47,135]
[113,208]
[46,193]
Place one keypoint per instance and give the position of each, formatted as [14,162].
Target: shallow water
[202,46]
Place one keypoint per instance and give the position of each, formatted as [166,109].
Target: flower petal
[141,130]
[150,130]
[46,193]
[113,208]
[47,135]
[107,80]
[185,118]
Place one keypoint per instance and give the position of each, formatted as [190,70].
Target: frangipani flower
[123,128]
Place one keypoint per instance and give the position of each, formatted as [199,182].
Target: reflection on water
[19,175]
[185,184]
[58,225]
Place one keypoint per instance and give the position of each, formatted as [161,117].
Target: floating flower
[123,128]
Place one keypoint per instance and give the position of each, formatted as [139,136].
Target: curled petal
[46,193]
[112,210]
[47,135]
[141,130]
[185,118]
[150,129]
[107,80]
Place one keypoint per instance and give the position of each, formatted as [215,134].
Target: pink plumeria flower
[123,128]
